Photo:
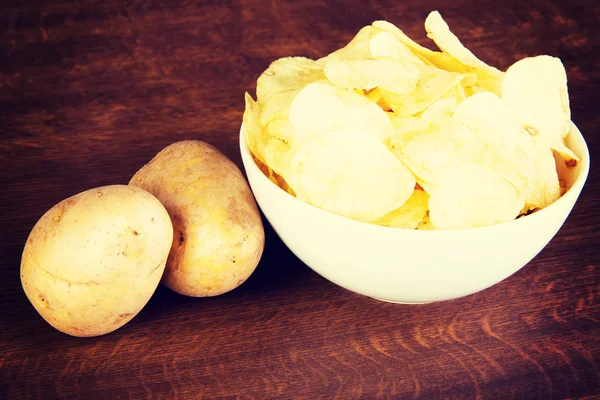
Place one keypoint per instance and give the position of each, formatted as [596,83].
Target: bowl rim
[578,183]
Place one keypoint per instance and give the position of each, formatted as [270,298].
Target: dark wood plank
[91,90]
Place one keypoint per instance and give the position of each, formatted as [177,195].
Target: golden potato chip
[481,130]
[440,111]
[349,173]
[362,114]
[316,110]
[433,84]
[253,132]
[281,82]
[459,92]
[371,73]
[409,214]
[408,125]
[430,57]
[493,85]
[485,118]
[425,224]
[438,31]
[535,90]
[374,95]
[489,78]
[281,128]
[356,49]
[275,155]
[426,154]
[386,45]
[279,181]
[468,195]
[544,183]
[320,108]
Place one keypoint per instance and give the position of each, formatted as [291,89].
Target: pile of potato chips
[389,132]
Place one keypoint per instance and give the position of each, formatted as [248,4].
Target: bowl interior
[574,177]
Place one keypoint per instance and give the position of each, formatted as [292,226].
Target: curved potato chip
[316,110]
[435,58]
[438,31]
[408,125]
[545,185]
[433,84]
[426,154]
[489,78]
[439,112]
[320,108]
[493,85]
[275,155]
[364,115]
[386,45]
[535,89]
[481,130]
[374,95]
[459,92]
[469,195]
[409,214]
[484,117]
[356,49]
[281,128]
[349,173]
[432,118]
[371,73]
[425,224]
[253,132]
[279,84]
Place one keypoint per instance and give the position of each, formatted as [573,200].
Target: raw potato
[93,261]
[219,237]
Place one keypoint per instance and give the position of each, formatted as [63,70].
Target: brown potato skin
[218,235]
[93,261]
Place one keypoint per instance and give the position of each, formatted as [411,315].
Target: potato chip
[281,128]
[435,58]
[489,78]
[440,111]
[386,45]
[364,115]
[433,84]
[468,195]
[535,90]
[484,117]
[316,110]
[408,125]
[349,173]
[253,132]
[438,31]
[409,214]
[481,130]
[356,49]
[424,153]
[275,155]
[425,224]
[281,82]
[375,96]
[320,108]
[544,183]
[460,92]
[371,73]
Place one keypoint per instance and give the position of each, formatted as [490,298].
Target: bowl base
[402,302]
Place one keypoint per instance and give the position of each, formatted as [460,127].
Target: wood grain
[91,90]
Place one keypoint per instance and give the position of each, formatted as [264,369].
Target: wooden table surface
[91,90]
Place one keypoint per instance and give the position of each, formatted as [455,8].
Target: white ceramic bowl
[410,266]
